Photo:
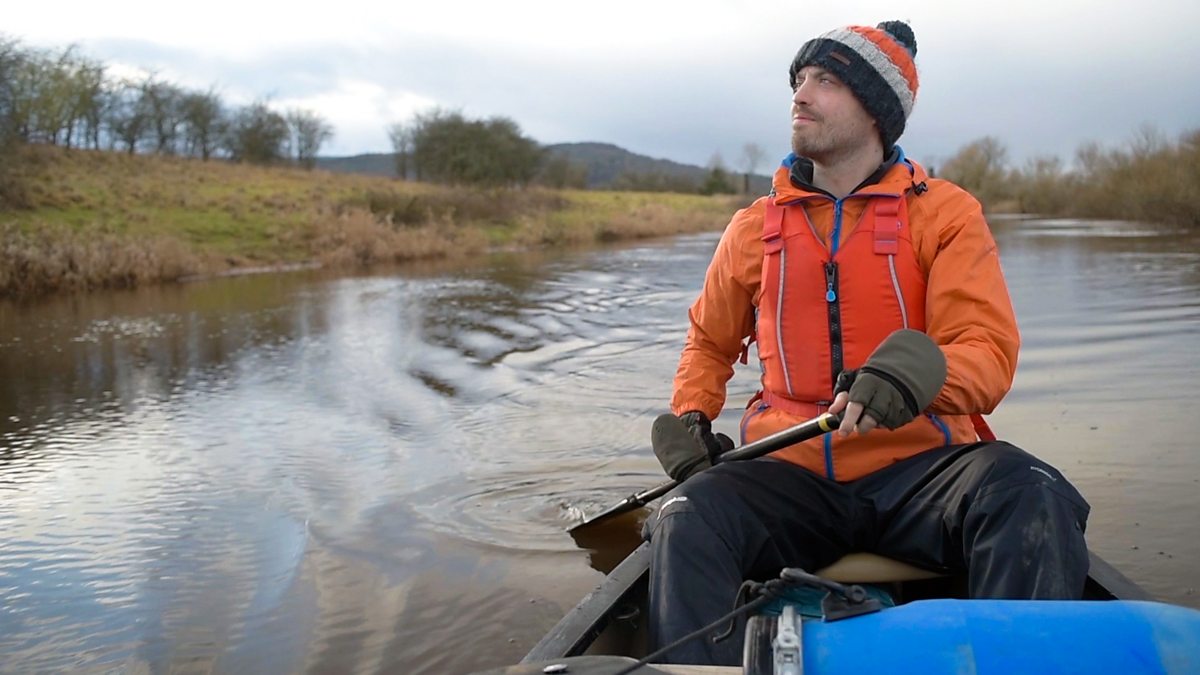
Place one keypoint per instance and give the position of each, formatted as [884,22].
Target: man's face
[828,122]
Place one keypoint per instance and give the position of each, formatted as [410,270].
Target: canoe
[930,629]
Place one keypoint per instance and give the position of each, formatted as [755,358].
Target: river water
[308,473]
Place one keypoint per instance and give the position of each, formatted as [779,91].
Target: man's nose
[800,94]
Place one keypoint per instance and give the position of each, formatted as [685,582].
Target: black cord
[747,590]
[766,592]
[795,575]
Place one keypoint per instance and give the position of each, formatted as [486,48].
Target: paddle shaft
[779,440]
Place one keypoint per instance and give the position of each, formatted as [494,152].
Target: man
[875,291]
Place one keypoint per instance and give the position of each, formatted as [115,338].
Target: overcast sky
[676,80]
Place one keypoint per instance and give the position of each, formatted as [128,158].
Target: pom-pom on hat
[876,63]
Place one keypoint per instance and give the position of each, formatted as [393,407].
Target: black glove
[685,445]
[701,429]
[899,380]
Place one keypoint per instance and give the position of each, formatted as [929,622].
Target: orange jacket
[967,312]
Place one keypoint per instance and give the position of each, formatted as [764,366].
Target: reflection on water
[1109,316]
[303,473]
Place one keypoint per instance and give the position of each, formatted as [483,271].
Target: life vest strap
[982,429]
[800,409]
[806,410]
[887,226]
[772,235]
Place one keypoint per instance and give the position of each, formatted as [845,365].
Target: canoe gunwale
[580,626]
[1105,582]
[576,631]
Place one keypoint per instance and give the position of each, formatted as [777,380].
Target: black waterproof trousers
[1011,521]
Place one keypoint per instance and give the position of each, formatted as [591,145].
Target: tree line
[66,99]
[444,146]
[1150,178]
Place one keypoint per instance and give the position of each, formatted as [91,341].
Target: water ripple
[522,511]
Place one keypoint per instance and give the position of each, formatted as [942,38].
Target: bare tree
[1148,141]
[88,101]
[11,59]
[48,98]
[203,123]
[717,181]
[128,120]
[401,136]
[13,191]
[309,131]
[27,83]
[752,156]
[53,98]
[163,102]
[980,167]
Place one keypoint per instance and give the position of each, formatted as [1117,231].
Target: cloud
[675,80]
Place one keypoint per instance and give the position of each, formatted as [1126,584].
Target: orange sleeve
[968,309]
[722,317]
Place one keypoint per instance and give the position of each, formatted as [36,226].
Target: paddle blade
[633,502]
[670,437]
[608,541]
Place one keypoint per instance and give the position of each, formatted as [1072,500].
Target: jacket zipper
[835,320]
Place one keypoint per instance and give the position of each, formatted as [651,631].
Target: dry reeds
[59,258]
[1149,179]
[465,206]
[357,237]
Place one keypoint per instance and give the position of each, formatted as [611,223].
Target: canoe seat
[870,568]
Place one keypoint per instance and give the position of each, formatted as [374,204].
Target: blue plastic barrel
[1009,637]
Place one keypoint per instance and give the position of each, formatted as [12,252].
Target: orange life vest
[824,309]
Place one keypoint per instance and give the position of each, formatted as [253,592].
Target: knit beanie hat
[876,63]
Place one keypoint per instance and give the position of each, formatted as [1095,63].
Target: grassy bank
[100,220]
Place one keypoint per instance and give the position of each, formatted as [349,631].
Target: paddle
[776,441]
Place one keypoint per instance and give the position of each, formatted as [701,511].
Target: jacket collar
[793,179]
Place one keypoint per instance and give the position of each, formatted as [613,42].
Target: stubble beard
[826,144]
[810,145]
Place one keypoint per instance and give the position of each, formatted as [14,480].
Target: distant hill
[374,164]
[605,162]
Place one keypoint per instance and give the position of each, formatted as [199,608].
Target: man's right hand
[899,380]
[686,445]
